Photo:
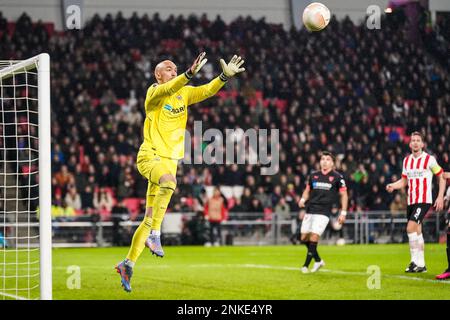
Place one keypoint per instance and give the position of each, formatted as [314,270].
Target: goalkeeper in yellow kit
[164,127]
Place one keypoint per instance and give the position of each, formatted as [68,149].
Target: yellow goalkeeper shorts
[153,167]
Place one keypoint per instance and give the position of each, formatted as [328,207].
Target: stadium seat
[227,191]
[172,223]
[209,191]
[238,191]
[133,205]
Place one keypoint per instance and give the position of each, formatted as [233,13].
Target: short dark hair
[328,153]
[417,133]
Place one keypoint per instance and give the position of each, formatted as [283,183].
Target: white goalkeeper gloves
[229,70]
[197,65]
[233,67]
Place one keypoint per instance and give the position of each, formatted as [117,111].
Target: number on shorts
[416,215]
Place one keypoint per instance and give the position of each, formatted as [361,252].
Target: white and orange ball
[316,16]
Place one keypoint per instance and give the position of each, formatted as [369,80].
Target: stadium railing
[246,229]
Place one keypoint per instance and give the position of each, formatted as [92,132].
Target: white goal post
[26,230]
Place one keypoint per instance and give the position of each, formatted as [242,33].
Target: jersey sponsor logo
[416,173]
[322,185]
[174,110]
[177,110]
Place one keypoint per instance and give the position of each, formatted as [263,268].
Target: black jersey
[324,191]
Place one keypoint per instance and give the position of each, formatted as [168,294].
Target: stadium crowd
[352,91]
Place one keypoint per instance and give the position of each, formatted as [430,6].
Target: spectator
[276,196]
[3,241]
[87,198]
[103,202]
[215,212]
[263,198]
[292,198]
[246,199]
[398,205]
[127,182]
[63,178]
[195,230]
[57,210]
[73,198]
[238,207]
[255,206]
[282,210]
[120,235]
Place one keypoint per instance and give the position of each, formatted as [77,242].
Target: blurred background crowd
[348,90]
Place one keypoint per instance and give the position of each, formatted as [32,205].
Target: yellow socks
[161,202]
[138,243]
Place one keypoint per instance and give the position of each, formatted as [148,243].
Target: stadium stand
[346,89]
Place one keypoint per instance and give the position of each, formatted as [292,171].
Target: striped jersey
[419,173]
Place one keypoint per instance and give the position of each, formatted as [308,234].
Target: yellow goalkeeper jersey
[166,114]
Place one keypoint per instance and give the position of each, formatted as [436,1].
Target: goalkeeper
[164,128]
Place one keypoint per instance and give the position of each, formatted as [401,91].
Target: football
[316,16]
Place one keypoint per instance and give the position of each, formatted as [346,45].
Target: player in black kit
[322,191]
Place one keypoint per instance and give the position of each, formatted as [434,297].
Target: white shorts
[314,223]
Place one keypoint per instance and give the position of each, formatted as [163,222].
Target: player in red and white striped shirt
[418,170]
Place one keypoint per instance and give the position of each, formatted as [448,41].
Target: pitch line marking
[263,266]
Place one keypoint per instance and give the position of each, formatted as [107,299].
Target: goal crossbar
[21,66]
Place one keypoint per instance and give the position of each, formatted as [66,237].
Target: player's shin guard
[413,246]
[139,237]
[161,202]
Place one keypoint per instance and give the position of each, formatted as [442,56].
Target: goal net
[25,179]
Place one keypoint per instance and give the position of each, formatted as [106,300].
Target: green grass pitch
[253,273]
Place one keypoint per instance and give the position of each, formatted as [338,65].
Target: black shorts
[416,212]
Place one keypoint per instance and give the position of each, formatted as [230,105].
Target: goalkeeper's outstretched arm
[167,85]
[200,93]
